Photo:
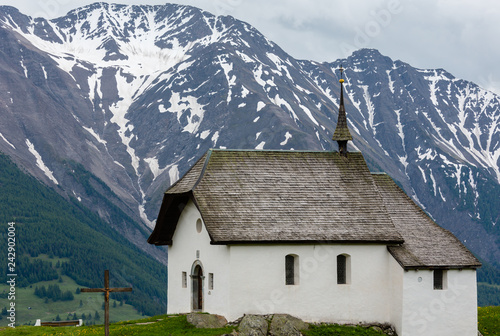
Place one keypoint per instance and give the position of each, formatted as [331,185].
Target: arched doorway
[197,287]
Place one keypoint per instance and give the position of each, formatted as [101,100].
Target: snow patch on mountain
[173,173]
[391,82]
[39,162]
[188,108]
[260,106]
[95,135]
[215,138]
[280,65]
[7,141]
[309,114]
[288,136]
[283,103]
[231,80]
[204,135]
[154,167]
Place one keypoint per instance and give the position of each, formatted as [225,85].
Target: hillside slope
[46,223]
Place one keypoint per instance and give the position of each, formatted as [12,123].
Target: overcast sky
[461,36]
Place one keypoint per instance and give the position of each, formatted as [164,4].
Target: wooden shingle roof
[426,244]
[252,196]
[280,196]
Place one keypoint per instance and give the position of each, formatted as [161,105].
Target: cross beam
[106,290]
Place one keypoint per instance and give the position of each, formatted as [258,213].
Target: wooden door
[200,289]
[197,288]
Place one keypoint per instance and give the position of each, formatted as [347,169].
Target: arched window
[291,269]
[343,269]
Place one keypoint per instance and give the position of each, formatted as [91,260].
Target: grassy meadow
[489,320]
[489,325]
[30,307]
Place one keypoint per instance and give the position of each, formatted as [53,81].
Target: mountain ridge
[169,82]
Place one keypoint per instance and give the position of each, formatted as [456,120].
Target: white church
[315,235]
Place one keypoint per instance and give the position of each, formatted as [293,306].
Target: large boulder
[253,325]
[206,320]
[287,325]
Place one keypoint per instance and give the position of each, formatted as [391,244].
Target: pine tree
[96,315]
[67,296]
[58,318]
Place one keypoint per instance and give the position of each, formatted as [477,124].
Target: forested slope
[46,223]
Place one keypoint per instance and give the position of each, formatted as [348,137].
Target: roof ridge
[276,150]
[209,154]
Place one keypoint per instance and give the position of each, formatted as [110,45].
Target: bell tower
[342,134]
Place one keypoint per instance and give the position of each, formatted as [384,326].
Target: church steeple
[342,134]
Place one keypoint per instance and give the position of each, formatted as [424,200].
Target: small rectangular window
[210,281]
[184,280]
[289,270]
[439,279]
[341,269]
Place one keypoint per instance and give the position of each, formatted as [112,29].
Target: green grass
[174,325]
[339,330]
[489,320]
[29,307]
[489,325]
[171,325]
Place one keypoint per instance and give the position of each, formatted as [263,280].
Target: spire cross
[106,290]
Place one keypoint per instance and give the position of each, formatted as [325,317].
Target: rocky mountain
[136,94]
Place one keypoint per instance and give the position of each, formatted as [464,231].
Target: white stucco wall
[396,293]
[258,280]
[250,279]
[448,312]
[182,256]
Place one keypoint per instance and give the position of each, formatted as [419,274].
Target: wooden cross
[106,290]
